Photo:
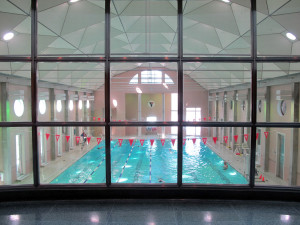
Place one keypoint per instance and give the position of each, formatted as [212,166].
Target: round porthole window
[58,106]
[19,107]
[281,107]
[71,105]
[80,104]
[42,106]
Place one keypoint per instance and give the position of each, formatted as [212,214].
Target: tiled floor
[150,212]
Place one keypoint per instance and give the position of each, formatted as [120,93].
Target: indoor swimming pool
[151,164]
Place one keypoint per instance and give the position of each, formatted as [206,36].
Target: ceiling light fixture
[291,36]
[8,36]
[138,90]
[227,1]
[165,85]
[72,1]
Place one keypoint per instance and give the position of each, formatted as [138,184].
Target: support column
[217,113]
[249,114]
[267,140]
[52,118]
[235,103]
[295,138]
[76,103]
[84,104]
[139,113]
[5,137]
[163,110]
[67,146]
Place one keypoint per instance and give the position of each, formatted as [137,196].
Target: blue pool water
[150,164]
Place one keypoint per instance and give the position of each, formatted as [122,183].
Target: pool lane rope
[125,163]
[97,167]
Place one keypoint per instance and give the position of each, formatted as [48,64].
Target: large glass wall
[160,93]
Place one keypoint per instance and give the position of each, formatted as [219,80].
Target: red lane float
[204,140]
[246,137]
[142,142]
[77,139]
[209,118]
[94,118]
[215,139]
[120,142]
[266,134]
[204,118]
[47,136]
[130,142]
[151,141]
[173,141]
[194,140]
[225,139]
[57,137]
[162,142]
[257,135]
[88,139]
[67,138]
[184,140]
[236,137]
[98,140]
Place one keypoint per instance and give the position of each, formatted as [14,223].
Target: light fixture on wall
[71,105]
[80,104]
[8,36]
[115,103]
[227,1]
[87,104]
[138,90]
[73,1]
[58,106]
[19,107]
[165,85]
[42,107]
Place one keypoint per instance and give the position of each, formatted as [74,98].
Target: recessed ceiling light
[8,36]
[291,36]
[227,1]
[72,1]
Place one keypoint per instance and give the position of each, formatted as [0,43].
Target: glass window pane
[143,28]
[71,28]
[69,92]
[149,97]
[216,155]
[71,155]
[15,92]
[143,155]
[278,92]
[15,27]
[277,157]
[15,156]
[278,31]
[216,28]
[217,92]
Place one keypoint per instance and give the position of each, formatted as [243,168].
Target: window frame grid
[109,58]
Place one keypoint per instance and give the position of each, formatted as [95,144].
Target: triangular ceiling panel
[7,7]
[269,26]
[53,18]
[100,3]
[130,21]
[75,37]
[274,5]
[60,43]
[46,4]
[225,19]
[117,7]
[171,21]
[82,14]
[13,19]
[93,34]
[225,37]
[290,22]
[242,17]
[22,4]
[293,6]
